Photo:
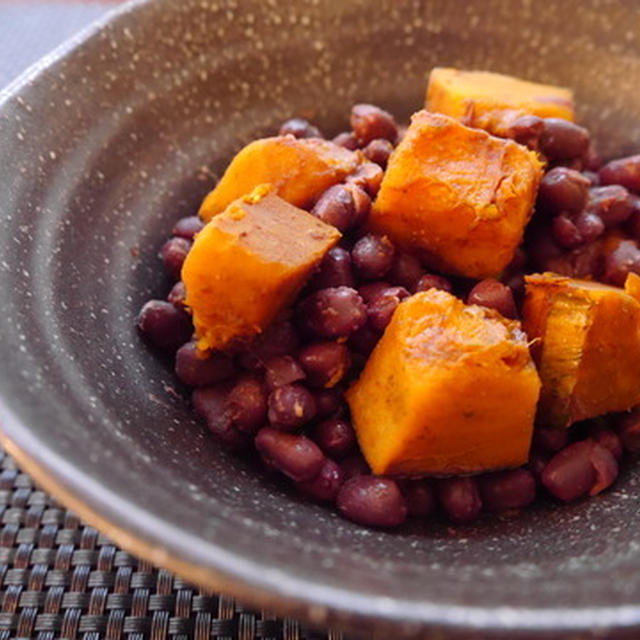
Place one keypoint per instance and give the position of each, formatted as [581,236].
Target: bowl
[121,131]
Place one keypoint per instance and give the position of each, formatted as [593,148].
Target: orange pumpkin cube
[448,389]
[299,170]
[492,101]
[586,342]
[457,196]
[247,264]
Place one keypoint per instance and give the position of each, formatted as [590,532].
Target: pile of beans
[284,396]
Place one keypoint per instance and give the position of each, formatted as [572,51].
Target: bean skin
[173,253]
[563,140]
[187,227]
[372,256]
[550,439]
[328,402]
[460,498]
[368,177]
[177,295]
[527,130]
[299,128]
[163,325]
[211,404]
[336,207]
[382,307]
[296,456]
[419,496]
[563,189]
[290,407]
[281,370]
[280,338]
[607,438]
[606,468]
[198,371]
[370,122]
[354,465]
[325,486]
[612,204]
[628,427]
[335,437]
[347,140]
[335,312]
[372,501]
[247,403]
[406,271]
[433,281]
[494,295]
[624,259]
[622,171]
[324,363]
[335,270]
[505,490]
[565,233]
[378,151]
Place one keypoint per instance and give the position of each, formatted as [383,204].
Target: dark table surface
[60,578]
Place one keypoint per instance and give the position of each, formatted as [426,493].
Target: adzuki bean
[201,370]
[504,490]
[290,407]
[163,325]
[335,312]
[324,363]
[460,498]
[325,486]
[299,128]
[335,437]
[372,501]
[622,171]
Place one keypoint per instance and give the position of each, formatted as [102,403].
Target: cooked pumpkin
[299,169]
[457,196]
[586,342]
[492,101]
[247,264]
[448,389]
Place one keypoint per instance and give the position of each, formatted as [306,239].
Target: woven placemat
[60,578]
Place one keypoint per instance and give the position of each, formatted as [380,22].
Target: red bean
[494,295]
[527,130]
[336,207]
[325,486]
[612,204]
[589,226]
[563,140]
[281,370]
[247,404]
[163,325]
[537,462]
[605,466]
[591,160]
[335,270]
[335,437]
[371,290]
[607,438]
[565,233]
[187,227]
[592,178]
[347,140]
[380,310]
[296,456]
[201,370]
[378,151]
[173,253]
[372,256]
[550,439]
[291,406]
[570,474]
[419,496]
[370,122]
[334,312]
[325,363]
[622,261]
[279,338]
[563,189]
[354,465]
[628,426]
[364,340]
[433,281]
[460,498]
[633,222]
[368,177]
[623,171]
[177,295]
[372,501]
[510,489]
[405,271]
[299,128]
[211,404]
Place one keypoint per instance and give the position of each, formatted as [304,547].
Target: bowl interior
[104,149]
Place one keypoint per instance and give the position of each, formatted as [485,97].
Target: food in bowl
[401,320]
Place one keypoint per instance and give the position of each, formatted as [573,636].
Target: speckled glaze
[107,142]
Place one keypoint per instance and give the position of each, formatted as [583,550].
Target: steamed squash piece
[298,169]
[448,389]
[247,264]
[493,101]
[457,196]
[586,342]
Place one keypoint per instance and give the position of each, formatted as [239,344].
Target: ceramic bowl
[120,132]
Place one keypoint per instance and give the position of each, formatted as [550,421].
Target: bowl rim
[143,534]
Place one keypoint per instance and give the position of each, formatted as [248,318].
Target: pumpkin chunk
[247,264]
[448,389]
[586,343]
[299,169]
[493,101]
[458,197]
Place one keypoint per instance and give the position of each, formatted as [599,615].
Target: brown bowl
[116,135]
